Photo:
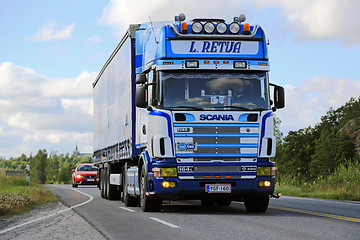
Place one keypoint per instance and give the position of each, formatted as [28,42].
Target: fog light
[264,183]
[167,184]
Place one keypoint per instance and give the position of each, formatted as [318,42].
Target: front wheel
[259,204]
[147,203]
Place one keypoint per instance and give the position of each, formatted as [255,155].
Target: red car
[85,174]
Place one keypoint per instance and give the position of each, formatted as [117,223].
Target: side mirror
[279,97]
[73,170]
[141,96]
[141,78]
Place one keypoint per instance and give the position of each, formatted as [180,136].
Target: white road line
[165,223]
[127,209]
[48,216]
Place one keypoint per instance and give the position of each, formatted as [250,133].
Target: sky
[51,52]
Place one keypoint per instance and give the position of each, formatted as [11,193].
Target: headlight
[266,171]
[168,172]
[221,28]
[78,176]
[196,27]
[209,27]
[234,28]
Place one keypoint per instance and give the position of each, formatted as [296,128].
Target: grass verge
[343,184]
[17,196]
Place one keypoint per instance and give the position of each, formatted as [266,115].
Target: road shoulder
[56,222]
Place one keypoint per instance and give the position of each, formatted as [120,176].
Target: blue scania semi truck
[183,110]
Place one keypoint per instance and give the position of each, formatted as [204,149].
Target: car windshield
[86,168]
[214,90]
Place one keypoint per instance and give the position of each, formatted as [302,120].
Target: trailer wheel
[129,201]
[259,204]
[147,203]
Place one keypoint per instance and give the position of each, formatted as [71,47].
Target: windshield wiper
[190,107]
[242,108]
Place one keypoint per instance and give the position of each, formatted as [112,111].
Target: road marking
[51,215]
[314,213]
[317,214]
[127,209]
[164,222]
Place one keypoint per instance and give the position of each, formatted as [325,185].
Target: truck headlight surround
[266,171]
[168,172]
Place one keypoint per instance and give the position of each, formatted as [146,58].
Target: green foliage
[342,184]
[44,167]
[324,158]
[17,195]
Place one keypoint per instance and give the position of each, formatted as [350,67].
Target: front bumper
[195,189]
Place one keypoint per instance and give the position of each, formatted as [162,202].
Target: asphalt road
[286,218]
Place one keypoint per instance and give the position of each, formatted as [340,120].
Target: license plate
[218,188]
[90,180]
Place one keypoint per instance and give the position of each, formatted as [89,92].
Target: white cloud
[78,87]
[325,20]
[322,19]
[93,40]
[52,31]
[38,112]
[305,104]
[121,13]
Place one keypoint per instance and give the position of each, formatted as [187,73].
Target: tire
[147,203]
[129,201]
[75,185]
[259,204]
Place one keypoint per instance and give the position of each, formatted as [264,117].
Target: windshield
[214,90]
[86,168]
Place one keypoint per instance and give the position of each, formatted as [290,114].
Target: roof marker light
[209,27]
[196,27]
[221,28]
[234,28]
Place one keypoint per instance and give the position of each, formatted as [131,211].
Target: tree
[38,166]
